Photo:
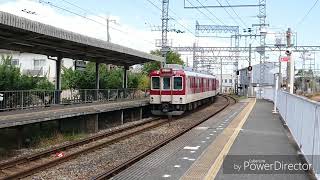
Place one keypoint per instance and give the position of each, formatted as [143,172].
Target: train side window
[155,83]
[166,82]
[177,84]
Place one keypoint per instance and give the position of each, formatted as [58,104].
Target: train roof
[182,70]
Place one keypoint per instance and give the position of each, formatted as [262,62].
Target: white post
[291,59]
[275,95]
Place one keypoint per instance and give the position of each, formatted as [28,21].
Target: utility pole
[108,28]
[221,75]
[108,35]
[250,74]
[290,64]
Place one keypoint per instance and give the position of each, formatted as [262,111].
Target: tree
[172,58]
[144,82]
[9,74]
[12,79]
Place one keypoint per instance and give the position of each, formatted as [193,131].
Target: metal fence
[10,100]
[302,117]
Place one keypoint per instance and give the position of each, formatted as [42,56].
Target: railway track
[111,172]
[28,165]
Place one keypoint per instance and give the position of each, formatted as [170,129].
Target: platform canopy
[24,35]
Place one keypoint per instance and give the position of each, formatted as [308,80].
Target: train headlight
[181,100]
[151,99]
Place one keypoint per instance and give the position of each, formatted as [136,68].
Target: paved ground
[193,155]
[14,118]
[263,134]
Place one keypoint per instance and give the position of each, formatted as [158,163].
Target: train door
[166,89]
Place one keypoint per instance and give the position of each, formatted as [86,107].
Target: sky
[135,20]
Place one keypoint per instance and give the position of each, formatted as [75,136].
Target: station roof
[24,35]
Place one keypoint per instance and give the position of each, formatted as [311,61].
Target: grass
[57,138]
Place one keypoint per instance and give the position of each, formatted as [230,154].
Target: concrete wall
[268,74]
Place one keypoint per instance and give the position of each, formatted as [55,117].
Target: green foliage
[44,84]
[133,80]
[144,82]
[172,58]
[114,79]
[12,79]
[75,79]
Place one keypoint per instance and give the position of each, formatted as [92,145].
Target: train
[175,90]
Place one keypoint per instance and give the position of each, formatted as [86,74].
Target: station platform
[29,116]
[247,128]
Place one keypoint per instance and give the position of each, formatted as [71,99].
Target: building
[35,64]
[228,82]
[268,77]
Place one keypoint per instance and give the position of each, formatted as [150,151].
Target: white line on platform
[166,175]
[176,166]
[202,128]
[191,148]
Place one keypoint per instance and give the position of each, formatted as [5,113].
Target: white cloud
[140,39]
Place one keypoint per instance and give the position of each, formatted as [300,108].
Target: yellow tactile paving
[209,163]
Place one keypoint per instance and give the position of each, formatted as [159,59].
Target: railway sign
[59,154]
[80,65]
[1,97]
[284,59]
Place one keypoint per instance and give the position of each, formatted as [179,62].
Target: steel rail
[121,167]
[27,159]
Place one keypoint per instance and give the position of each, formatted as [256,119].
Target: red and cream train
[175,90]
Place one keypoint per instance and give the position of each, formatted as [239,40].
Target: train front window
[166,82]
[155,83]
[177,83]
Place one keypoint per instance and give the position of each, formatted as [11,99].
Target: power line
[236,14]
[178,17]
[171,17]
[82,16]
[228,13]
[206,14]
[305,16]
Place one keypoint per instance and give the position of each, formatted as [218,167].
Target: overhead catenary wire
[308,12]
[204,13]
[236,14]
[176,15]
[171,17]
[228,13]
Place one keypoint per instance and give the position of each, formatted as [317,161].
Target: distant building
[228,82]
[268,76]
[35,64]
